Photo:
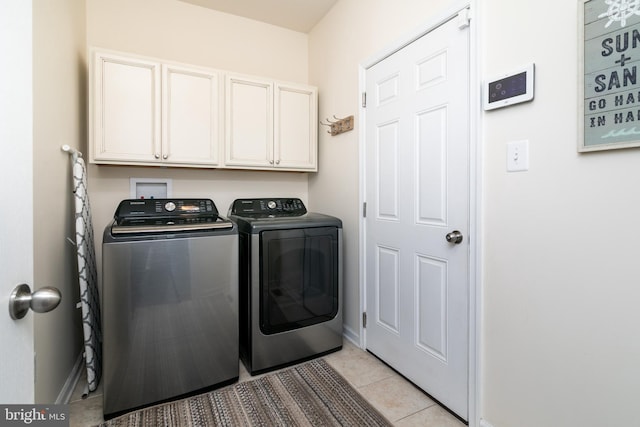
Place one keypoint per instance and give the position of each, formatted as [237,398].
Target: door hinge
[364,210]
[364,319]
[464,18]
[364,99]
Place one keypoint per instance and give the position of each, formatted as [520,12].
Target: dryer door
[298,278]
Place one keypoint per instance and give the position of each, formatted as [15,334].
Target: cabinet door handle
[165,157]
[157,156]
[271,162]
[278,162]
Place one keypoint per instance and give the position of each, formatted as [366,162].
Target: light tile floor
[396,398]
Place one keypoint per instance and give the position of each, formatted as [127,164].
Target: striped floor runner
[311,394]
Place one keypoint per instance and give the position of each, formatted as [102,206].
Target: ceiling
[297,15]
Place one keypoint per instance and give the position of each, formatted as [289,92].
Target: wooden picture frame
[609,74]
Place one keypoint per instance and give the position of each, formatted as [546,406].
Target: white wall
[59,87]
[560,287]
[179,31]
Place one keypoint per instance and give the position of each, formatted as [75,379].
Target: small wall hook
[66,148]
[331,125]
[339,125]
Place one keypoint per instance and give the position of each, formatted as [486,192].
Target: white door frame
[475,190]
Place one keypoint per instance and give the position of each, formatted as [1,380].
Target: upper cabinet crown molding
[145,111]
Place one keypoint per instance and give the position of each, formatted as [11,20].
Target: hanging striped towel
[87,275]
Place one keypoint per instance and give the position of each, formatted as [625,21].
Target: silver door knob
[454,237]
[41,301]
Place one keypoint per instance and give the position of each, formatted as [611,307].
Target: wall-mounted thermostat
[509,89]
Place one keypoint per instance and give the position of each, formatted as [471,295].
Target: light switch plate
[518,156]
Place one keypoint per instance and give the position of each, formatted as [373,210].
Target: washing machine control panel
[154,216]
[257,208]
[150,208]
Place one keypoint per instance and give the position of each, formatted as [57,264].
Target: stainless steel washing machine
[169,302]
[290,282]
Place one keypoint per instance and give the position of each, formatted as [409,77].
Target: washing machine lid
[142,216]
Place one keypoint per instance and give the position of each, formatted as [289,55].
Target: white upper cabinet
[270,125]
[146,112]
[248,123]
[125,110]
[190,116]
[296,127]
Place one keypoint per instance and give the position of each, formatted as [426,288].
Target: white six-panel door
[417,191]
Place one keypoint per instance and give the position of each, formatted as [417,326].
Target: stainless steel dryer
[170,302]
[290,282]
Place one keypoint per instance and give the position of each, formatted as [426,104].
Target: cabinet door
[249,122]
[125,115]
[190,116]
[296,127]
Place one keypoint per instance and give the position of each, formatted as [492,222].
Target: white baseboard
[67,389]
[349,334]
[485,423]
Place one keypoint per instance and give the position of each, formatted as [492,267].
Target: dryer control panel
[256,208]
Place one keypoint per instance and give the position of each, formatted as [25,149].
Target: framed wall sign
[609,86]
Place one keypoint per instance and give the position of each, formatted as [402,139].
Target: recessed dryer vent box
[150,188]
